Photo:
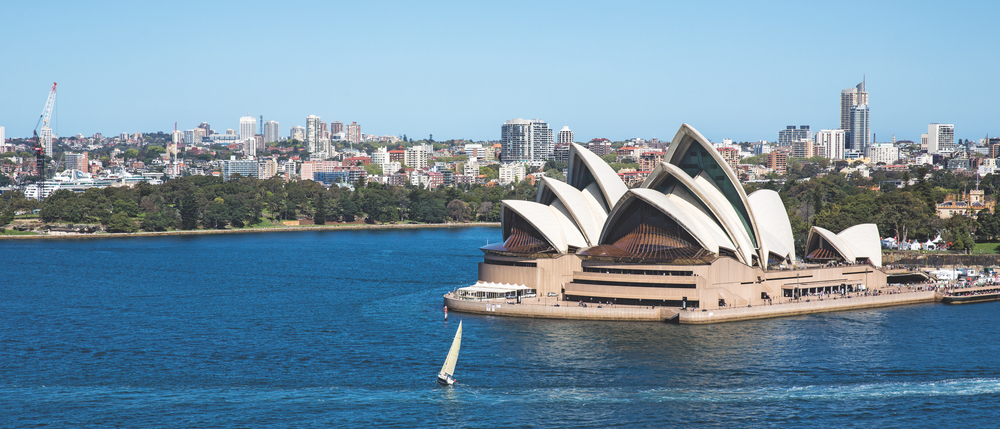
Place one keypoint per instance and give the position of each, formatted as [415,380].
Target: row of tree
[209,202]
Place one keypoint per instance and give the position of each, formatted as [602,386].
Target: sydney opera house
[689,236]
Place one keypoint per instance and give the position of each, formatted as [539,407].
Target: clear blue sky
[740,70]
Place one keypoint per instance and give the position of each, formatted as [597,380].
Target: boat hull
[971,299]
[445,380]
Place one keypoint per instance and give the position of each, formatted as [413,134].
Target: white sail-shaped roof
[816,233]
[586,213]
[693,221]
[772,221]
[551,222]
[711,199]
[695,155]
[863,239]
[585,168]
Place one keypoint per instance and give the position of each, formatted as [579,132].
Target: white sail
[449,363]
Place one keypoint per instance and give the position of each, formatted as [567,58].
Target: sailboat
[448,370]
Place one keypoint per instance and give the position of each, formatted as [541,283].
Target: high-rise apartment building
[47,137]
[565,136]
[297,133]
[312,133]
[860,136]
[336,127]
[939,138]
[206,127]
[271,132]
[792,134]
[849,98]
[777,161]
[3,139]
[248,128]
[803,149]
[830,143]
[353,133]
[525,140]
[415,157]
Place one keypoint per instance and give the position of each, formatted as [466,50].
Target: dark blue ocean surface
[345,329]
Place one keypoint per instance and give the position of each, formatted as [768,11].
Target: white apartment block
[939,138]
[886,153]
[471,167]
[415,157]
[297,132]
[380,156]
[830,143]
[565,136]
[390,167]
[526,140]
[271,132]
[511,173]
[248,128]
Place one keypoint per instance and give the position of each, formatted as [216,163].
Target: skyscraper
[849,99]
[46,137]
[248,128]
[271,132]
[525,140]
[3,140]
[312,133]
[353,133]
[940,138]
[860,136]
[565,136]
[208,129]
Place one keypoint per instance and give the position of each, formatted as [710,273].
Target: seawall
[800,308]
[570,310]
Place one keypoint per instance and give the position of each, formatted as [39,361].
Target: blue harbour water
[345,329]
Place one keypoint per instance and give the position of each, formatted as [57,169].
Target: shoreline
[335,227]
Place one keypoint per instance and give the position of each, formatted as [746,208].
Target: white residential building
[471,167]
[380,156]
[390,167]
[511,173]
[271,132]
[46,138]
[297,132]
[886,153]
[312,133]
[830,143]
[415,157]
[526,140]
[565,136]
[248,128]
[939,138]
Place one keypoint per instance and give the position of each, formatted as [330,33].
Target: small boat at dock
[971,295]
[446,376]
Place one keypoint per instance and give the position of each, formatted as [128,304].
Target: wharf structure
[688,239]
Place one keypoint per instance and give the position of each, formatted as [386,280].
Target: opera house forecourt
[688,244]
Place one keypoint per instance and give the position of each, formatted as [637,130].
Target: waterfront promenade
[553,308]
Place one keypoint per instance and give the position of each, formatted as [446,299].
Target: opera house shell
[688,236]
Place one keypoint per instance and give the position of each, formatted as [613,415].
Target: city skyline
[636,69]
